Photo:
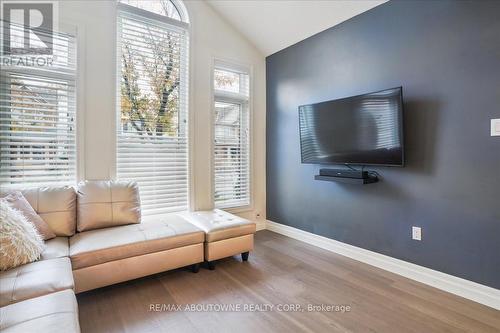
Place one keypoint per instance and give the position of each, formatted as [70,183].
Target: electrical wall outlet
[495,127]
[416,233]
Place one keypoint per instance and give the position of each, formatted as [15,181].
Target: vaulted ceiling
[272,25]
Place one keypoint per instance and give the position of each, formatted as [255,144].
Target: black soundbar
[344,173]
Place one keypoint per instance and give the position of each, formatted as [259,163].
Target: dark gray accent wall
[446,55]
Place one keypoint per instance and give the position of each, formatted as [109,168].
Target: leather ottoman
[225,234]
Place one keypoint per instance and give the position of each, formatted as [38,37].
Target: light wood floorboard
[283,271]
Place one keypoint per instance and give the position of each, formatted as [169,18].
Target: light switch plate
[495,127]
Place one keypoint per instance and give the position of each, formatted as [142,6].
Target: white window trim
[80,103]
[232,65]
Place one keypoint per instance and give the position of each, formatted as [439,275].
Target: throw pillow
[19,240]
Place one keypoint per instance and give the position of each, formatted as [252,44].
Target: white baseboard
[471,290]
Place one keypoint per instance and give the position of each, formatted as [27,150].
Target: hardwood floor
[283,271]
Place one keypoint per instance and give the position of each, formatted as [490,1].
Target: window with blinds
[152,132]
[38,114]
[231,137]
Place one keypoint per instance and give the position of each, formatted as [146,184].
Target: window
[38,115]
[152,136]
[231,136]
[168,8]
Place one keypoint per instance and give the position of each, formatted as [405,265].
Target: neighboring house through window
[38,114]
[231,155]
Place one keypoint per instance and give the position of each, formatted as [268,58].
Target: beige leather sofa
[39,297]
[93,249]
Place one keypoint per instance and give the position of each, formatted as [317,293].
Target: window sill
[235,210]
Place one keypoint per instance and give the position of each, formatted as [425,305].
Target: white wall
[210,37]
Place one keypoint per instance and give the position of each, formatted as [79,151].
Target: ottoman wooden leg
[244,256]
[211,265]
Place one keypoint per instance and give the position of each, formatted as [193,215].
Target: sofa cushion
[55,313]
[19,202]
[219,225]
[152,235]
[107,203]
[56,248]
[35,279]
[55,205]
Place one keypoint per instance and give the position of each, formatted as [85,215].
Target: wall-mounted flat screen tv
[360,130]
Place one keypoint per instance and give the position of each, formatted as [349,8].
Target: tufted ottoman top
[219,225]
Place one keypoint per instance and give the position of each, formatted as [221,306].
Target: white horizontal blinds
[152,146]
[38,116]
[232,138]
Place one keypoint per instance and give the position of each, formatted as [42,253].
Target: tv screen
[361,130]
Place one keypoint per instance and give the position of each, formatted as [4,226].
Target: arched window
[152,115]
[169,8]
